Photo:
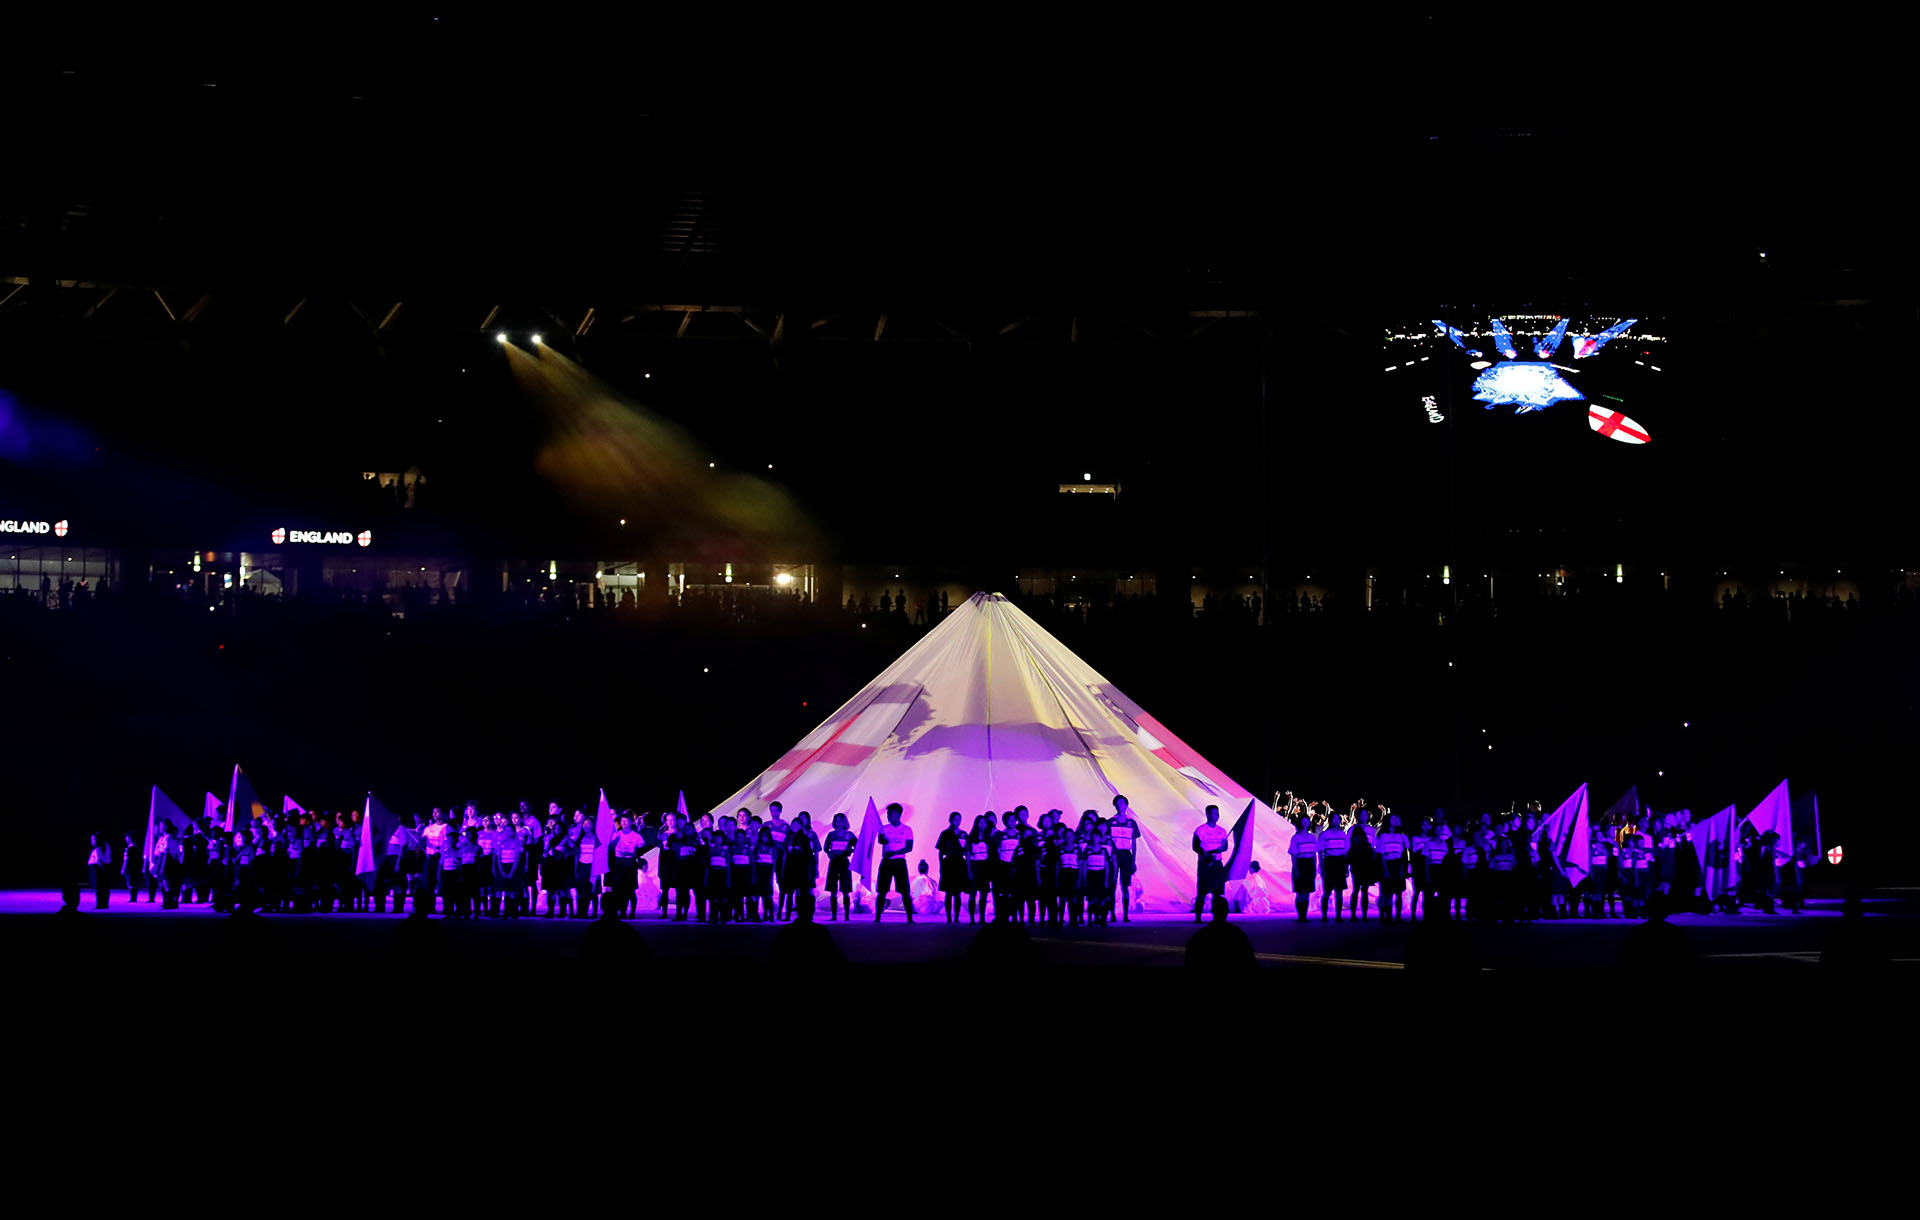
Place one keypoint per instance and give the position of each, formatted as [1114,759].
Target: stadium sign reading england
[56,528]
[334,537]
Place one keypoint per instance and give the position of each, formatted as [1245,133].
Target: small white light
[501,337]
[623,520]
[709,465]
[1086,478]
[703,669]
[649,376]
[769,465]
[536,338]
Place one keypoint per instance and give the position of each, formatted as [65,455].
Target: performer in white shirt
[896,841]
[926,895]
[1210,845]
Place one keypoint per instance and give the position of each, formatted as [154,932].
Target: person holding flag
[896,841]
[1210,846]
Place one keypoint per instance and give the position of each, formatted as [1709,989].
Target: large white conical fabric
[987,712]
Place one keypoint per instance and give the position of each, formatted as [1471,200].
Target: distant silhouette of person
[100,870]
[1220,945]
[1656,944]
[1854,945]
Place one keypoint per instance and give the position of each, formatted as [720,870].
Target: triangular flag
[1567,834]
[682,807]
[1628,805]
[1242,845]
[377,828]
[161,811]
[603,827]
[1806,823]
[1775,813]
[289,805]
[863,848]
[210,808]
[1713,840]
[242,805]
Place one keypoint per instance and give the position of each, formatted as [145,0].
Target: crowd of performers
[1049,870]
[731,869]
[1504,867]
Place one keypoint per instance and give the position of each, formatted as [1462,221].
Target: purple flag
[161,811]
[242,805]
[1567,836]
[1806,823]
[377,827]
[210,808]
[863,849]
[603,827]
[1713,840]
[1775,813]
[1242,845]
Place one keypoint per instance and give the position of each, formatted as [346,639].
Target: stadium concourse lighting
[501,337]
[536,338]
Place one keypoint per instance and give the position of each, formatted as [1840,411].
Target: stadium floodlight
[501,337]
[536,338]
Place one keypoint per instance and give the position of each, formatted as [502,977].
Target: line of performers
[736,868]
[1495,869]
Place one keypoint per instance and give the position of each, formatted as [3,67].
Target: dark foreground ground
[96,964]
[142,936]
[702,1012]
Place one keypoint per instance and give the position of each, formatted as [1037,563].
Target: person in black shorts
[1125,832]
[896,841]
[839,845]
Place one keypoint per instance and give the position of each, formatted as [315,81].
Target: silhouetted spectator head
[804,944]
[1003,945]
[1213,814]
[611,940]
[1220,945]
